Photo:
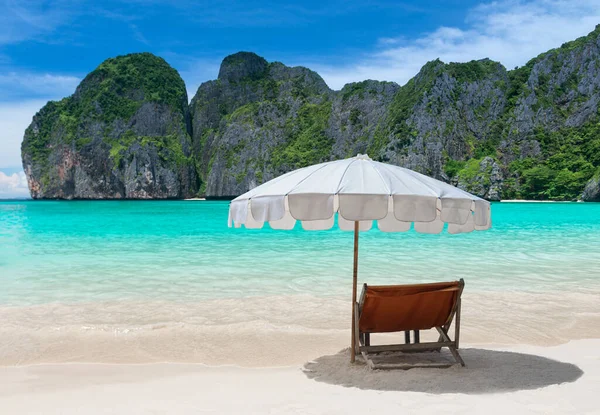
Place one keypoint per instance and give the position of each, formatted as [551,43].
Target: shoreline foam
[538,201]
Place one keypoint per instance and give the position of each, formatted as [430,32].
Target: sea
[148,281]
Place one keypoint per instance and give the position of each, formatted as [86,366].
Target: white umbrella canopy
[361,191]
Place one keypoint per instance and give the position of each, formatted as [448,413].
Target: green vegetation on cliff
[307,141]
[570,158]
[38,140]
[120,85]
[472,71]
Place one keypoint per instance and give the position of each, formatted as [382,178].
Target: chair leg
[407,337]
[417,337]
[362,339]
[455,354]
[457,324]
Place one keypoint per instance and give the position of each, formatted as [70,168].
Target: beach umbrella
[360,191]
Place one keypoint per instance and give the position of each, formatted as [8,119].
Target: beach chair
[395,308]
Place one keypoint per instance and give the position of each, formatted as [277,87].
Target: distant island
[128,132]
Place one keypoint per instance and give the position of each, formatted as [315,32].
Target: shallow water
[122,281]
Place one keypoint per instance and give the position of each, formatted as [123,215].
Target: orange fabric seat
[392,308]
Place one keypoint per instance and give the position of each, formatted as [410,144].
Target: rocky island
[124,133]
[128,132]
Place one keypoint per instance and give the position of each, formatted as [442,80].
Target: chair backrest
[389,308]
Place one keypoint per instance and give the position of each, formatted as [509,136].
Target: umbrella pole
[354,278]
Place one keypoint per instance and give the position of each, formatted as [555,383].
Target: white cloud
[26,84]
[25,19]
[13,186]
[138,35]
[23,95]
[14,119]
[510,31]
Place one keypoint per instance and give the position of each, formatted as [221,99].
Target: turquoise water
[70,252]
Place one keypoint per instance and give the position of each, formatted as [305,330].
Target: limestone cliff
[258,120]
[124,133]
[531,132]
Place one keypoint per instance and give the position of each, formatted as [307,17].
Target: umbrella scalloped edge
[460,219]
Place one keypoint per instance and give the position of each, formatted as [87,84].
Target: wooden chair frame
[363,341]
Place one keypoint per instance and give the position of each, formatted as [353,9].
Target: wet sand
[265,331]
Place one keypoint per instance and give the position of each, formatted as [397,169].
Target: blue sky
[46,47]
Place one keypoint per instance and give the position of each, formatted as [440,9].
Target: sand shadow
[487,371]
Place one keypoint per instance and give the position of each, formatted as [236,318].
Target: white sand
[492,383]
